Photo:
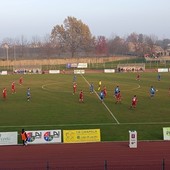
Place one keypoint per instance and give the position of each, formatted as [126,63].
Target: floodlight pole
[7,47]
[14,53]
[7,54]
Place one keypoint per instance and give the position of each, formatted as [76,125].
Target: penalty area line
[102,102]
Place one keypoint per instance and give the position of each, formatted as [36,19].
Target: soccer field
[53,105]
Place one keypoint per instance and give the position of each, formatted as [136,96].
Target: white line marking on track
[102,102]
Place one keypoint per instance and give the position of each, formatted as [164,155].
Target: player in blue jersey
[159,77]
[116,91]
[101,96]
[74,78]
[91,88]
[28,94]
[152,91]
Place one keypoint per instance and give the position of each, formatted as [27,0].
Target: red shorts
[133,103]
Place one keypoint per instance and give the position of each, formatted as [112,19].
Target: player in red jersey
[13,87]
[74,88]
[81,97]
[20,80]
[104,91]
[134,102]
[138,77]
[4,93]
[118,98]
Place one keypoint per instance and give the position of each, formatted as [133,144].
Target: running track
[89,156]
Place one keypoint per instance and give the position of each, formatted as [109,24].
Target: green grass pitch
[53,105]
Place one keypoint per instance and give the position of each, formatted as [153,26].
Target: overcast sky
[32,18]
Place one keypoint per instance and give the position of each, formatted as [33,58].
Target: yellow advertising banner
[81,136]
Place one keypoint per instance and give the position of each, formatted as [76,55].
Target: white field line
[102,102]
[133,88]
[44,85]
[90,124]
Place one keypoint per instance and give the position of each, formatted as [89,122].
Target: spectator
[24,137]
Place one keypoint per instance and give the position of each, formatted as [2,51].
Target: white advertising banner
[166,133]
[4,73]
[73,65]
[82,65]
[8,138]
[44,136]
[79,71]
[54,71]
[132,139]
[162,70]
[109,70]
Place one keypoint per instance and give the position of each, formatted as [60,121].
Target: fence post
[105,165]
[163,164]
[47,167]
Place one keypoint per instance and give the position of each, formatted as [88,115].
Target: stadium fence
[149,165]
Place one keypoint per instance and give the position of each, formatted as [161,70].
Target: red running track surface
[93,156]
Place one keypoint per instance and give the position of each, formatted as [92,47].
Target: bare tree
[117,45]
[101,45]
[73,35]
